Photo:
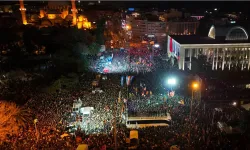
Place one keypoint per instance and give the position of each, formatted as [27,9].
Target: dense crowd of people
[53,112]
[119,62]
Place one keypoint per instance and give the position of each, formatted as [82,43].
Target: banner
[171,45]
[122,80]
[129,79]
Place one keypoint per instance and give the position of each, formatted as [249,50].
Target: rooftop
[195,39]
[216,35]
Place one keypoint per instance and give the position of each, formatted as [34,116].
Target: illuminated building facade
[225,48]
[140,28]
[56,12]
[182,27]
[23,10]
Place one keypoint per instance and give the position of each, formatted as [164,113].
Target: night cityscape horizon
[109,75]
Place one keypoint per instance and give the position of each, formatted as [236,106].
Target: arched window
[211,32]
[237,33]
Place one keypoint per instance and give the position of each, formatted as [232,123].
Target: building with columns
[225,48]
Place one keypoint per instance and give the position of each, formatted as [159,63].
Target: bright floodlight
[234,103]
[172,81]
[156,45]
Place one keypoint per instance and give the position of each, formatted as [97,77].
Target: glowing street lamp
[128,27]
[234,103]
[195,86]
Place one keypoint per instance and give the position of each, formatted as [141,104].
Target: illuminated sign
[131,9]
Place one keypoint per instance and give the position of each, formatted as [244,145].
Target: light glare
[156,45]
[171,81]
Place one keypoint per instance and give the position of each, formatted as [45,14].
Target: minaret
[22,9]
[74,11]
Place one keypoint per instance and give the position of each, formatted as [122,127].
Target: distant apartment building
[198,17]
[141,28]
[182,27]
[170,14]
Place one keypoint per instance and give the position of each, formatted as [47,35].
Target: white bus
[141,122]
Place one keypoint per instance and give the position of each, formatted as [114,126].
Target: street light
[195,86]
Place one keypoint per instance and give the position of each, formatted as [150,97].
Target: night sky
[193,6]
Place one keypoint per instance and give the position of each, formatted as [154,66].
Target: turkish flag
[171,45]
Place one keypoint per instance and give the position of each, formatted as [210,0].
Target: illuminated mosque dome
[58,19]
[46,23]
[34,18]
[234,33]
[68,18]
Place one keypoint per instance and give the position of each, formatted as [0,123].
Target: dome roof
[237,33]
[58,18]
[46,23]
[230,33]
[34,17]
[68,18]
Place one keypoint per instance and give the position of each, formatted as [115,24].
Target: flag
[129,79]
[103,147]
[171,45]
[181,102]
[122,80]
[119,98]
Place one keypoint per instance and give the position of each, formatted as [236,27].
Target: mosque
[56,13]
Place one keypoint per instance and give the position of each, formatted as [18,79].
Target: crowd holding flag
[129,80]
[122,80]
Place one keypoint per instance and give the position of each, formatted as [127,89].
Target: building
[182,27]
[225,48]
[140,28]
[197,17]
[54,13]
[170,14]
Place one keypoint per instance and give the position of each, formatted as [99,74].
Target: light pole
[170,82]
[194,87]
[37,134]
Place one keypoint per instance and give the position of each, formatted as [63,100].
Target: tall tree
[100,31]
[13,119]
[71,47]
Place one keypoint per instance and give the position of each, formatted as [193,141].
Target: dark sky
[192,6]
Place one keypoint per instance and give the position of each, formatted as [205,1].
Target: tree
[13,119]
[71,45]
[64,82]
[94,49]
[100,31]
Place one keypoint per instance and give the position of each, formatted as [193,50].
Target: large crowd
[53,112]
[118,62]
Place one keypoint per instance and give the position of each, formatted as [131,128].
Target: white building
[142,27]
[225,48]
[182,27]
